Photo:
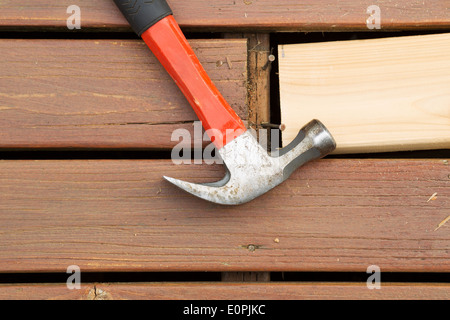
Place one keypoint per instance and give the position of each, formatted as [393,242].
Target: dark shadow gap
[136,277]
[275,104]
[406,277]
[185,154]
[420,154]
[311,37]
[128,154]
[79,154]
[91,277]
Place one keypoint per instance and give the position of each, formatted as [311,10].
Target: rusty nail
[282,126]
[270,59]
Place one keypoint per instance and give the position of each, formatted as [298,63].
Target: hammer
[250,170]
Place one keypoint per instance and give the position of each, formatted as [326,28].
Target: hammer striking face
[251,171]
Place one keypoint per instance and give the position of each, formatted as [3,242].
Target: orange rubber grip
[167,42]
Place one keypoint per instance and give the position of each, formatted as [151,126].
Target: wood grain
[261,15]
[331,215]
[373,95]
[104,93]
[228,291]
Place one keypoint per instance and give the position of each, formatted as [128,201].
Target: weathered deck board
[331,215]
[227,291]
[267,15]
[104,93]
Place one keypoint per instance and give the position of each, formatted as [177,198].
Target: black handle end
[142,14]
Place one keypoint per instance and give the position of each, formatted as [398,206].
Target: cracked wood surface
[255,15]
[104,93]
[227,291]
[331,215]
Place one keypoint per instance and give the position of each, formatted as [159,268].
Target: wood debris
[230,65]
[433,197]
[442,223]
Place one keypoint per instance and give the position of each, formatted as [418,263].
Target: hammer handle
[154,22]
[142,14]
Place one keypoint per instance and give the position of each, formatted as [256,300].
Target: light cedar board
[377,95]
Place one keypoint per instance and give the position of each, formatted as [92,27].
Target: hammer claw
[207,191]
[193,188]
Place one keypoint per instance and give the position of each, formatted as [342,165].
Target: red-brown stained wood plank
[228,291]
[331,215]
[104,93]
[281,15]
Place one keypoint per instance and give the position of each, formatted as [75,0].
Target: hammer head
[251,171]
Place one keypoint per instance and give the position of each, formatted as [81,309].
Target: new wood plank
[331,215]
[373,95]
[281,15]
[221,291]
[104,93]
